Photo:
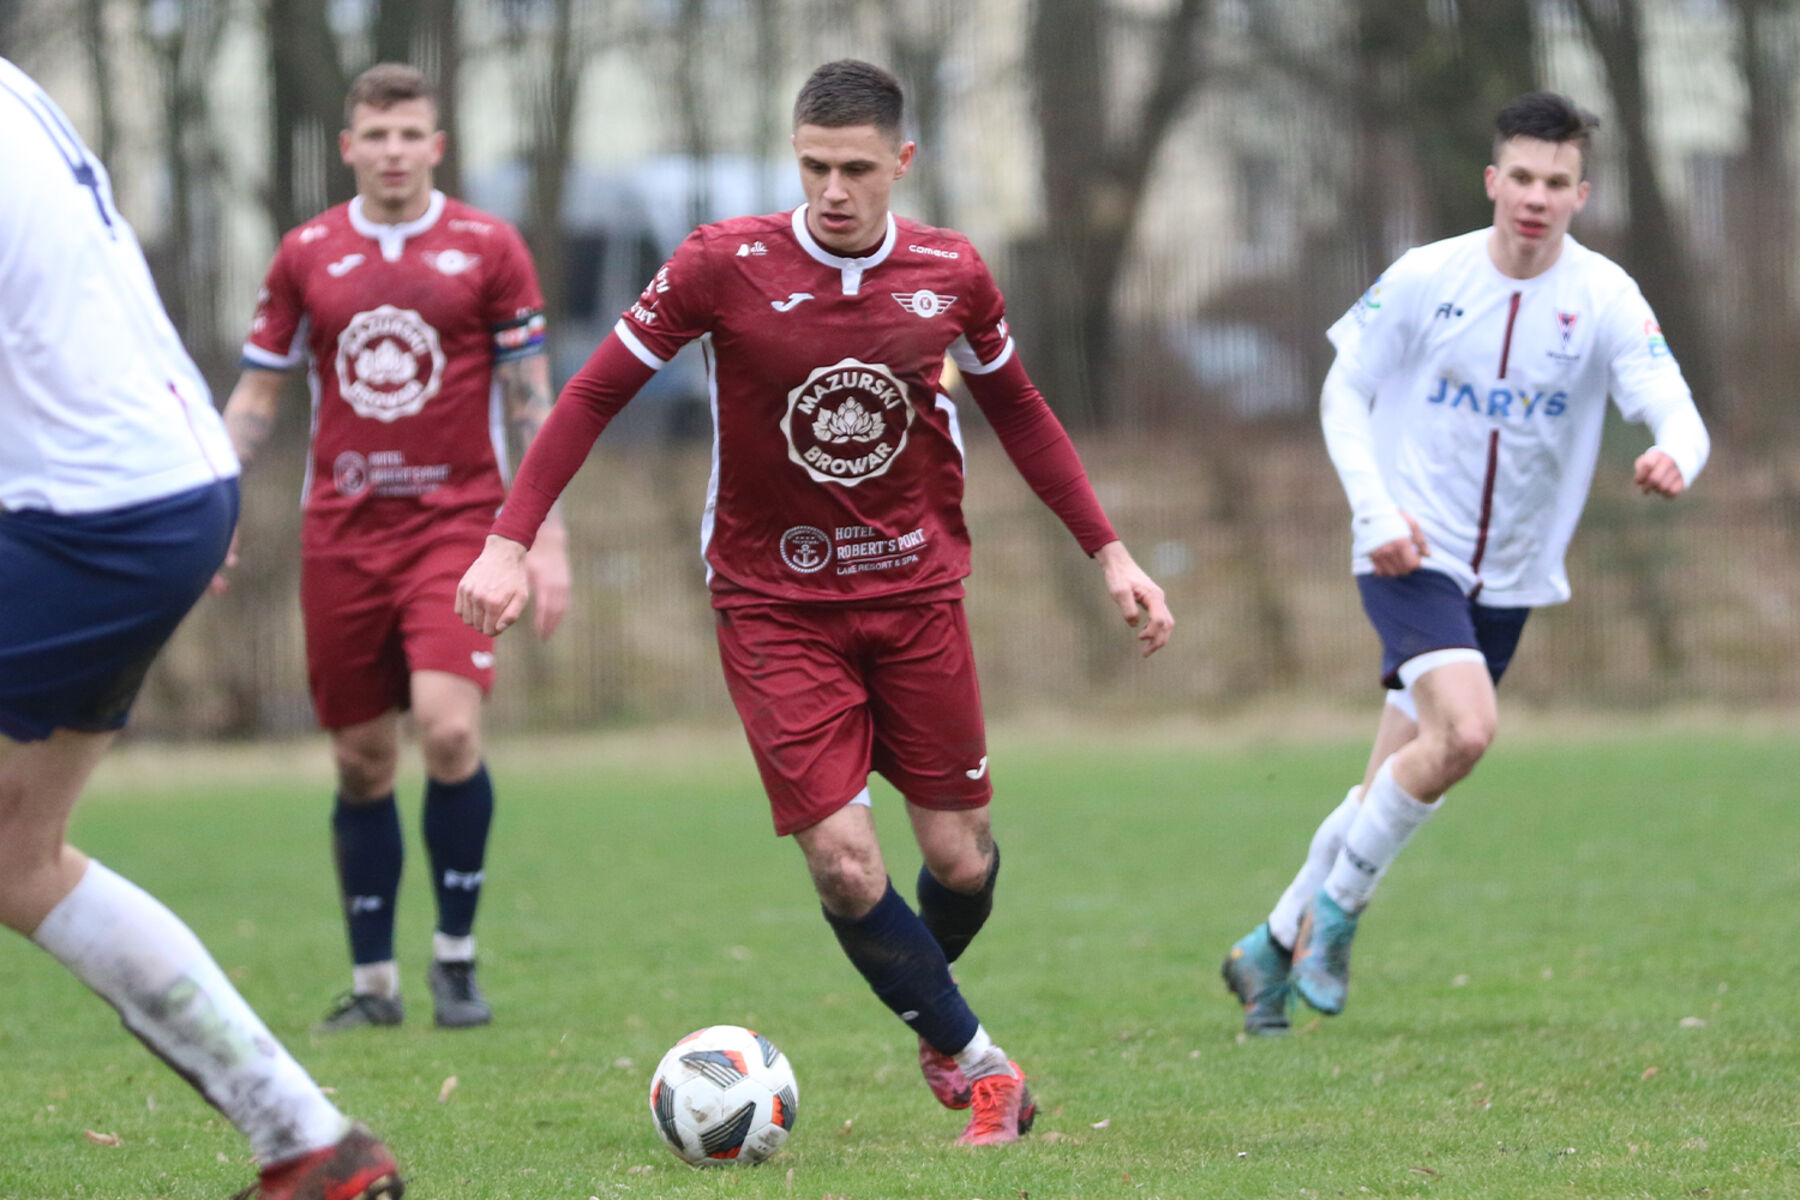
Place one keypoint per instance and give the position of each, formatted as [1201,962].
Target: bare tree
[1655,248]
[916,38]
[1097,158]
[306,109]
[1760,318]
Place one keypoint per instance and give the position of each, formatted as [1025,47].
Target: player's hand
[494,589]
[221,583]
[547,572]
[1657,475]
[1401,556]
[1140,601]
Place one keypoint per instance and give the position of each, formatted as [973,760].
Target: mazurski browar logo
[847,423]
[389,363]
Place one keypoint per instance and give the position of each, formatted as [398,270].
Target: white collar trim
[393,237]
[850,269]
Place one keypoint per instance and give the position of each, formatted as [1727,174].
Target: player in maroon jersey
[835,543]
[424,326]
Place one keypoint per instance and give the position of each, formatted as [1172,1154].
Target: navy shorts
[87,600]
[1425,611]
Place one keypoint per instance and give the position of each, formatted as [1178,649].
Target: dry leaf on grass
[1102,1123]
[101,1139]
[448,1087]
[1650,1073]
[1423,1171]
[640,1169]
[1693,1022]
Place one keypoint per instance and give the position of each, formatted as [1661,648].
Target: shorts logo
[805,549]
[979,769]
[483,659]
[924,302]
[350,473]
[848,422]
[389,363]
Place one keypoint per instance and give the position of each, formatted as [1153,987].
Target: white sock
[139,957]
[981,1058]
[445,948]
[376,979]
[1387,820]
[1284,919]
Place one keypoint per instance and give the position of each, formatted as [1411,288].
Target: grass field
[1580,981]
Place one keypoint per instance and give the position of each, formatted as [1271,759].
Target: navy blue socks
[457,816]
[906,968]
[365,842]
[954,918]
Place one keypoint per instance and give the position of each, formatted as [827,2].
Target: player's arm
[494,590]
[250,422]
[1647,385]
[525,390]
[1389,536]
[250,411]
[1041,450]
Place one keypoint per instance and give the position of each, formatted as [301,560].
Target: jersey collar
[393,237]
[849,269]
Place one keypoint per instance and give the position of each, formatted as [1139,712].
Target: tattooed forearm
[249,432]
[525,387]
[250,411]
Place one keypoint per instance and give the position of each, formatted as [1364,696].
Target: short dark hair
[387,84]
[851,92]
[1548,117]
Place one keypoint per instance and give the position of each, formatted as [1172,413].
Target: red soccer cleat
[357,1167]
[944,1077]
[1004,1110]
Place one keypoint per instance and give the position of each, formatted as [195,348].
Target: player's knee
[966,870]
[848,883]
[452,748]
[1466,740]
[365,771]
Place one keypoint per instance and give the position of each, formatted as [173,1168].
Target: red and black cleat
[357,1167]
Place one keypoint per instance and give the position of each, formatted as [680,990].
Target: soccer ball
[724,1095]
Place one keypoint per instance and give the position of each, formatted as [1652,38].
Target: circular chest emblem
[389,363]
[350,473]
[805,549]
[848,422]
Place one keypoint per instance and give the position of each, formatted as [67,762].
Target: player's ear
[437,147]
[906,157]
[344,146]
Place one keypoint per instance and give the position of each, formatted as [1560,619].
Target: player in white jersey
[1463,414]
[118,494]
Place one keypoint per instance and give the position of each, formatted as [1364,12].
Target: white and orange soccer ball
[724,1095]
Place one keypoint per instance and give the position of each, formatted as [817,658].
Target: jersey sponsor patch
[805,548]
[389,363]
[924,302]
[848,422]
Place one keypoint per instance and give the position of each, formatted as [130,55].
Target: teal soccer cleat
[1256,970]
[1322,954]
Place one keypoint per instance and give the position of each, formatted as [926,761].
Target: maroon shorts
[829,692]
[376,614]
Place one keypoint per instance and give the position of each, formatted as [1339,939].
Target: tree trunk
[1655,249]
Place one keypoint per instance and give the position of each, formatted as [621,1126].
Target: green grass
[1515,1027]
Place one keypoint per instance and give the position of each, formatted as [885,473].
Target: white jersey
[100,406]
[1489,396]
